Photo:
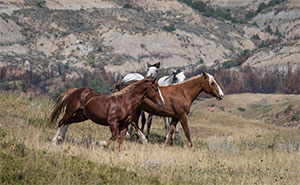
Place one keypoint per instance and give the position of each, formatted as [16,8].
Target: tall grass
[229,149]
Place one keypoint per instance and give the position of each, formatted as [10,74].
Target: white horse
[176,77]
[126,80]
[133,77]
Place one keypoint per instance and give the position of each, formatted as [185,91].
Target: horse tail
[60,105]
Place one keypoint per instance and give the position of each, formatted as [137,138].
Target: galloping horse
[134,77]
[178,100]
[176,77]
[127,80]
[116,111]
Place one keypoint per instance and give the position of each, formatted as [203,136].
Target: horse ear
[157,65]
[205,75]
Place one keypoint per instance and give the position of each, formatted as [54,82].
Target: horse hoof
[60,140]
[101,143]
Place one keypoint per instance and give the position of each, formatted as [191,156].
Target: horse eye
[212,83]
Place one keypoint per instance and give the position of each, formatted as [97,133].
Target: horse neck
[192,87]
[136,95]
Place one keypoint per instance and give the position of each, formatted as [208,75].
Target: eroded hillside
[51,39]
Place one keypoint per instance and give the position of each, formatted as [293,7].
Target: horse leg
[136,120]
[64,132]
[171,131]
[78,117]
[61,123]
[149,126]
[53,141]
[167,125]
[143,116]
[142,137]
[114,133]
[177,132]
[185,126]
[121,138]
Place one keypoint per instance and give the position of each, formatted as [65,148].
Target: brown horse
[178,100]
[116,111]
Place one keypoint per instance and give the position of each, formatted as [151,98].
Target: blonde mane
[188,80]
[128,88]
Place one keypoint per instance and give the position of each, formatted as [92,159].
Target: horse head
[152,70]
[212,87]
[153,92]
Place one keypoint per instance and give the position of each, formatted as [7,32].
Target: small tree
[98,84]
[269,29]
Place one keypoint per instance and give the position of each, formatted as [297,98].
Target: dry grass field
[238,140]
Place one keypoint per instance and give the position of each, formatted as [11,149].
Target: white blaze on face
[161,97]
[151,72]
[212,79]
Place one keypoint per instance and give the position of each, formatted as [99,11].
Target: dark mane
[129,88]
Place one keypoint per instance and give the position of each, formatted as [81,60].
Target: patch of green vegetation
[269,29]
[241,109]
[169,28]
[21,165]
[228,64]
[5,85]
[200,61]
[217,13]
[261,7]
[3,133]
[99,85]
[37,121]
[295,117]
[128,6]
[255,37]
[288,109]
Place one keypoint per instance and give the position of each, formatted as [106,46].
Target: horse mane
[129,88]
[190,79]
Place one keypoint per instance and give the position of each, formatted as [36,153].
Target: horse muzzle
[218,97]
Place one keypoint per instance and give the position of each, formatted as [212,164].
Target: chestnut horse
[116,111]
[178,100]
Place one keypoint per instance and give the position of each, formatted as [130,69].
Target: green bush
[99,85]
[255,37]
[269,29]
[127,5]
[241,109]
[228,64]
[169,28]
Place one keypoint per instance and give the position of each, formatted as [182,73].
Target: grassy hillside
[233,145]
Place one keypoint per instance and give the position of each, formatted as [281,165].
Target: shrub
[169,28]
[228,64]
[5,86]
[255,37]
[269,29]
[261,6]
[127,5]
[288,109]
[241,109]
[249,15]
